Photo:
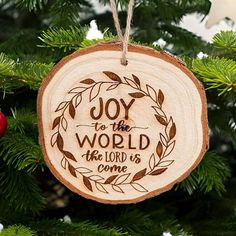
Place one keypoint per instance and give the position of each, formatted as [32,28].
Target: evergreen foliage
[15,75]
[32,4]
[217,73]
[17,230]
[19,191]
[57,228]
[225,40]
[36,34]
[210,175]
[70,38]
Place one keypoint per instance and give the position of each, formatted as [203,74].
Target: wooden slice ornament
[121,134]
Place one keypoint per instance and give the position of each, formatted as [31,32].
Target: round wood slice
[121,134]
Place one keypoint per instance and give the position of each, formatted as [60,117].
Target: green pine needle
[71,38]
[19,147]
[21,152]
[17,230]
[20,190]
[31,73]
[217,73]
[225,40]
[67,39]
[32,5]
[24,122]
[210,175]
[84,228]
[153,221]
[6,65]
[14,75]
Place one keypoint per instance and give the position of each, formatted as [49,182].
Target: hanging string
[123,38]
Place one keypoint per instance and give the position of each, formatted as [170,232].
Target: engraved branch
[158,163]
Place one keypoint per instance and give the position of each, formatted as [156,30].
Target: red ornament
[3,124]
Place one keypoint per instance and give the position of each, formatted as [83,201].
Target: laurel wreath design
[158,161]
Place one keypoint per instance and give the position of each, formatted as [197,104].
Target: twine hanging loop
[123,38]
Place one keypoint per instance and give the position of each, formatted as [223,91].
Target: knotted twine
[123,38]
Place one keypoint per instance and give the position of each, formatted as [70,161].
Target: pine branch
[17,230]
[6,65]
[32,73]
[68,39]
[71,38]
[225,40]
[20,190]
[32,5]
[22,47]
[67,12]
[106,38]
[57,228]
[182,39]
[210,175]
[24,122]
[139,223]
[217,73]
[15,75]
[19,147]
[21,152]
[222,118]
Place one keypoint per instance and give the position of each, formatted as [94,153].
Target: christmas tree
[35,35]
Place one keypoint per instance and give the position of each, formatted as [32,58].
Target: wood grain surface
[121,134]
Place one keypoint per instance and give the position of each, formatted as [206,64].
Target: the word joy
[111,108]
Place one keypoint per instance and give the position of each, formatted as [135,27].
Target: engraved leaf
[139,187]
[158,111]
[94,91]
[160,97]
[69,155]
[56,122]
[60,142]
[137,95]
[159,149]
[110,179]
[72,110]
[172,132]
[78,100]
[100,188]
[136,79]
[117,189]
[87,81]
[61,106]
[54,139]
[72,170]
[158,171]
[139,175]
[169,125]
[96,177]
[130,82]
[83,170]
[161,120]
[163,140]
[152,161]
[63,162]
[151,91]
[87,183]
[170,148]
[122,179]
[111,87]
[77,90]
[64,123]
[112,76]
[165,163]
